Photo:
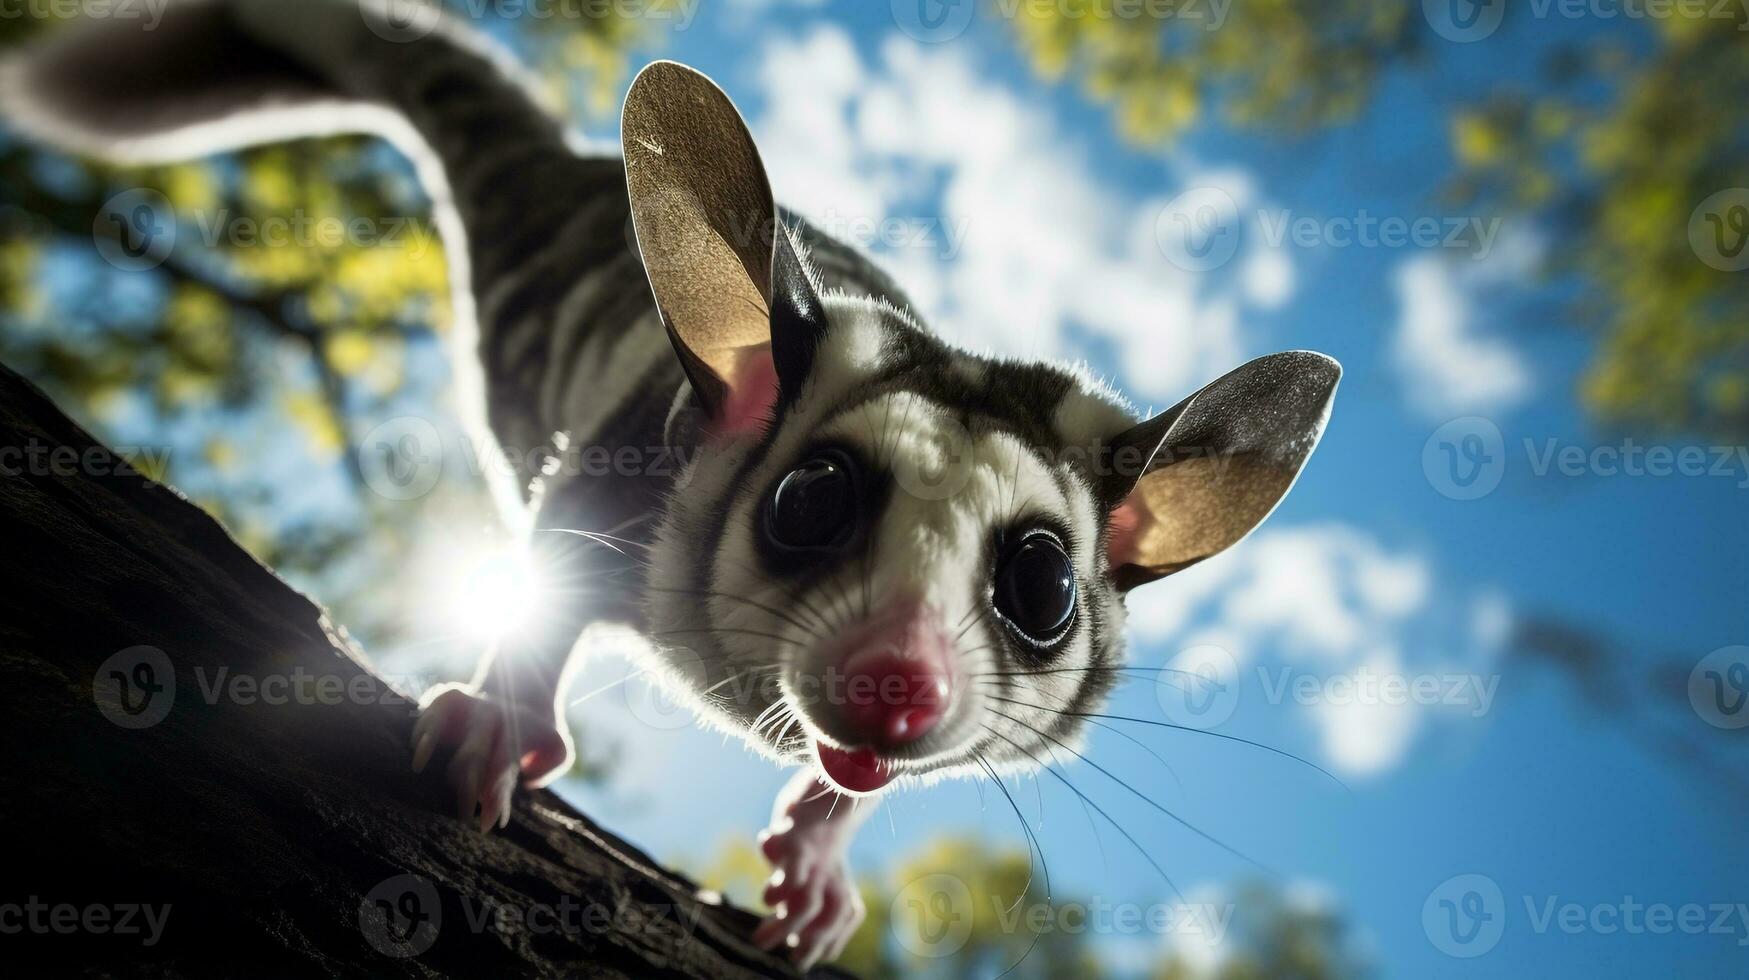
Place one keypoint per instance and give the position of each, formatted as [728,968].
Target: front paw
[817,905]
[493,742]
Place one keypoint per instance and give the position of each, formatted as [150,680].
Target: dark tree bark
[219,829]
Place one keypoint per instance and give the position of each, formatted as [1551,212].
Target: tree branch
[195,740]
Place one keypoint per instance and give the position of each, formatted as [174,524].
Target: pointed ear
[1202,475]
[733,293]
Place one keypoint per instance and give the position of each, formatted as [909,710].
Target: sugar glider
[881,558]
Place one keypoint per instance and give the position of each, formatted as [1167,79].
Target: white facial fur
[952,487]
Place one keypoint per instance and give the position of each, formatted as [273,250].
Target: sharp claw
[427,742]
[845,935]
[769,933]
[421,724]
[507,787]
[772,847]
[491,798]
[475,801]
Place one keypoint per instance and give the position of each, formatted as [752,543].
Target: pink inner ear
[752,393]
[1122,534]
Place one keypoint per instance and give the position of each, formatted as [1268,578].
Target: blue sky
[1368,567]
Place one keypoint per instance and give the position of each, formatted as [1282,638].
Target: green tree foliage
[914,911]
[1274,934]
[1259,932]
[1626,181]
[1622,138]
[305,299]
[1298,63]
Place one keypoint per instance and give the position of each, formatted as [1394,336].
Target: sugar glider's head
[892,558]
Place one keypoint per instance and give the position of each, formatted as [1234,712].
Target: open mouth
[854,771]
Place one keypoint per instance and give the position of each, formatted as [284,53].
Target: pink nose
[891,698]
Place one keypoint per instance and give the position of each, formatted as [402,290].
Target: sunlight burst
[497,592]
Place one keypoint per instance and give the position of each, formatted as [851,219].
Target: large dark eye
[1035,587]
[814,506]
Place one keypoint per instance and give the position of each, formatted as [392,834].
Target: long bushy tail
[215,75]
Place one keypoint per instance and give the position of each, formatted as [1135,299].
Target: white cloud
[921,136]
[1268,278]
[1335,605]
[1448,362]
[1361,736]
